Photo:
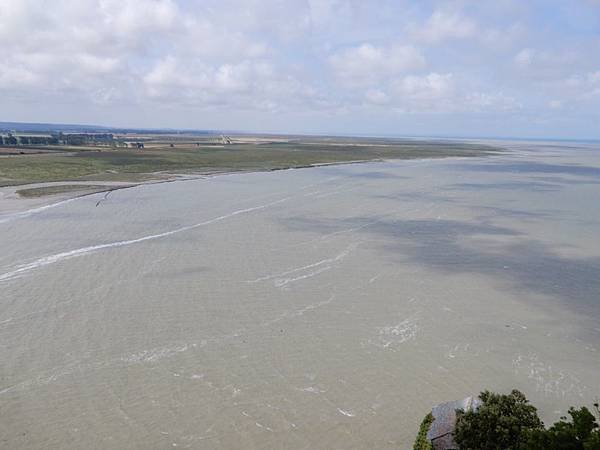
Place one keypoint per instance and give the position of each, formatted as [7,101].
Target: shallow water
[318,308]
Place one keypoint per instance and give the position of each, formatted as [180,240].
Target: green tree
[421,442]
[501,422]
[579,433]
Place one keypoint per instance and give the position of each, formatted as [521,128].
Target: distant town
[13,134]
[26,139]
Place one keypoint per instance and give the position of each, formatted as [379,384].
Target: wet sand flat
[322,308]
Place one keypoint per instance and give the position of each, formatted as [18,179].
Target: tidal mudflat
[322,308]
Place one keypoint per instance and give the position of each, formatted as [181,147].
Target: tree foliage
[499,423]
[579,433]
[509,422]
[421,442]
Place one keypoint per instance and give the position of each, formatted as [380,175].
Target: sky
[503,68]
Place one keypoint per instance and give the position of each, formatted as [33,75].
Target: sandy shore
[12,203]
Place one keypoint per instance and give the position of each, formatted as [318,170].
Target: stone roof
[444,415]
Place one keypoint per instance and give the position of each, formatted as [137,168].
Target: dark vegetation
[501,422]
[421,442]
[61,189]
[56,139]
[509,422]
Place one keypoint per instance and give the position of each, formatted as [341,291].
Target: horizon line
[304,133]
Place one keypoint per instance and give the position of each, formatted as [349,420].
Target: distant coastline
[84,163]
[66,127]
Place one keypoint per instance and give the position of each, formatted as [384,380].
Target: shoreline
[13,205]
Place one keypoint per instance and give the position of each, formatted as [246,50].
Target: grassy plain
[178,155]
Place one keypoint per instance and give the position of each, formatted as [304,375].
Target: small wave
[29,212]
[47,260]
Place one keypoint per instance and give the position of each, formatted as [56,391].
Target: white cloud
[246,85]
[377,97]
[594,77]
[204,39]
[581,85]
[316,57]
[13,77]
[544,64]
[444,25]
[105,49]
[502,38]
[323,12]
[524,57]
[367,63]
[491,102]
[428,87]
[555,104]
[97,65]
[439,93]
[131,17]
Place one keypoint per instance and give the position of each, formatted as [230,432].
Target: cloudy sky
[394,67]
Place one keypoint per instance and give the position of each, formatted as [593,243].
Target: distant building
[34,139]
[86,138]
[134,144]
[8,139]
[19,138]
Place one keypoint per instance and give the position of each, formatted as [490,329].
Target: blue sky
[454,68]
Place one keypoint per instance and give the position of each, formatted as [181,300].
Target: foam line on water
[326,261]
[29,212]
[44,261]
[23,214]
[47,260]
[300,312]
[284,282]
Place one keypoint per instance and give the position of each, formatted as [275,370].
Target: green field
[159,159]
